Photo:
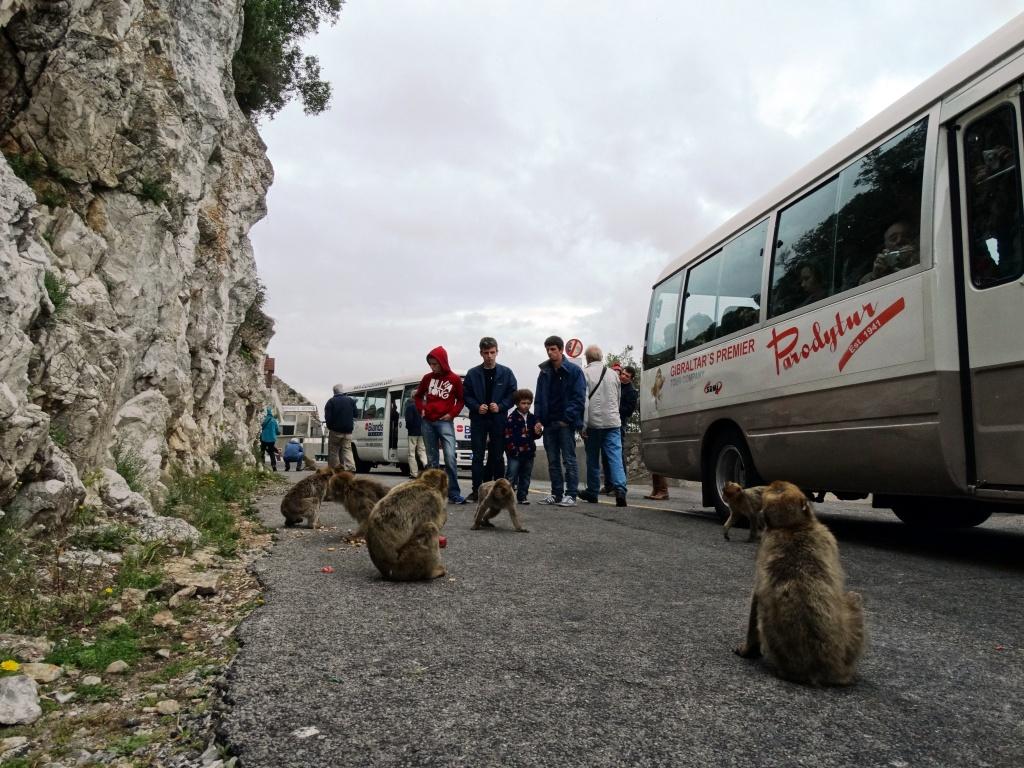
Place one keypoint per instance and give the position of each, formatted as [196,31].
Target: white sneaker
[567,501]
[549,500]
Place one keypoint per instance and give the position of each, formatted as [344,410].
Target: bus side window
[660,345]
[993,181]
[359,397]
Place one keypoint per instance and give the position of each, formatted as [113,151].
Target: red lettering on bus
[784,343]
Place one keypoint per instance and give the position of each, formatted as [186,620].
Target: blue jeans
[445,432]
[560,446]
[609,441]
[520,470]
[604,458]
[488,434]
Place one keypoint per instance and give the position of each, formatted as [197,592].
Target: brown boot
[660,492]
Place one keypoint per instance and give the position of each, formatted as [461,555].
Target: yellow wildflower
[108,591]
[10,665]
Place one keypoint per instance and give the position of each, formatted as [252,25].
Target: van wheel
[730,461]
[362,467]
[941,513]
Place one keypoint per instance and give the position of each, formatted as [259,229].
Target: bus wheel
[730,460]
[362,467]
[941,513]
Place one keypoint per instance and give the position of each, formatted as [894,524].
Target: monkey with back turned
[403,528]
[496,496]
[358,495]
[801,618]
[743,503]
[303,499]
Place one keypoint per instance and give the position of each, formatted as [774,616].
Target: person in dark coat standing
[488,392]
[417,452]
[339,414]
[561,400]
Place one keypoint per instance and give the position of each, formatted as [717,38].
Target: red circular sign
[573,347]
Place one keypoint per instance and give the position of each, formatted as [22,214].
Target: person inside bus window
[899,251]
[812,283]
[698,330]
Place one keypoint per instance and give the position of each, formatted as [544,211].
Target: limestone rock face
[129,301]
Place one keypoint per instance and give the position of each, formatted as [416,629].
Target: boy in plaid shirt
[521,431]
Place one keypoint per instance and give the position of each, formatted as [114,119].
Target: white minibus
[380,436]
[860,329]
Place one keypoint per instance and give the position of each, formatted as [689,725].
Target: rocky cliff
[129,301]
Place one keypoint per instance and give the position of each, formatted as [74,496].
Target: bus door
[992,221]
[395,424]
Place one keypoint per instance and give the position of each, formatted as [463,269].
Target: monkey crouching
[744,503]
[801,618]
[496,496]
[303,500]
[358,495]
[403,527]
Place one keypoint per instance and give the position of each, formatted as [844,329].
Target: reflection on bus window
[723,293]
[835,238]
[661,322]
[375,404]
[359,397]
[994,215]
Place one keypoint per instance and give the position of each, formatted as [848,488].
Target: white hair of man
[593,353]
[339,389]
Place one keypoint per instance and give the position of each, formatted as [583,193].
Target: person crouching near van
[339,415]
[521,432]
[293,454]
[439,400]
[602,420]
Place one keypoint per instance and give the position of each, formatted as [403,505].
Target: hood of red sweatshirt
[439,354]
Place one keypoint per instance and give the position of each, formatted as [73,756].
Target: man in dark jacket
[339,415]
[628,398]
[488,391]
[417,452]
[561,399]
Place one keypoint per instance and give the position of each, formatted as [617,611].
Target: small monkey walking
[303,499]
[402,530]
[744,503]
[801,617]
[357,495]
[496,496]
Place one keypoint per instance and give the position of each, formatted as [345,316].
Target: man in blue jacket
[561,399]
[339,414]
[488,391]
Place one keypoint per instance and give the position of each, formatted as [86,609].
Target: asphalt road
[604,637]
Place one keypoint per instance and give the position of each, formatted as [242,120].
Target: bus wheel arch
[725,456]
[941,513]
[362,467]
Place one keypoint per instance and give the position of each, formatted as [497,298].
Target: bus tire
[362,467]
[941,513]
[730,460]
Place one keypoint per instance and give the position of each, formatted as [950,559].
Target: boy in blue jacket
[521,432]
[561,399]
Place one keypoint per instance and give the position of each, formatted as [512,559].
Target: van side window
[994,215]
[376,402]
[359,397]
[857,227]
[660,345]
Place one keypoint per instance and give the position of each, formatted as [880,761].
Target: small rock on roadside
[168,707]
[181,596]
[164,619]
[164,653]
[11,747]
[19,700]
[117,667]
[25,647]
[42,673]
[91,680]
[63,697]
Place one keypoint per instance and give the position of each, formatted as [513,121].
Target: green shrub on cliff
[269,67]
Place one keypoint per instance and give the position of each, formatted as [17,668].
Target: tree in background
[624,358]
[269,67]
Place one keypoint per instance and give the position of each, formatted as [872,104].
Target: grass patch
[111,538]
[57,290]
[126,746]
[120,643]
[28,166]
[129,465]
[99,692]
[153,190]
[139,566]
[206,501]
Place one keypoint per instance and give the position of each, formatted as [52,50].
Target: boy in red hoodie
[439,400]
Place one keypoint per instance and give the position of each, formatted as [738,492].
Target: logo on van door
[713,387]
[375,429]
[864,323]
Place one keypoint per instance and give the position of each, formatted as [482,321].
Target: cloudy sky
[518,169]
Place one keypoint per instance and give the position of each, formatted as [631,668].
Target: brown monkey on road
[402,530]
[801,617]
[496,496]
[308,463]
[744,503]
[358,495]
[303,499]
